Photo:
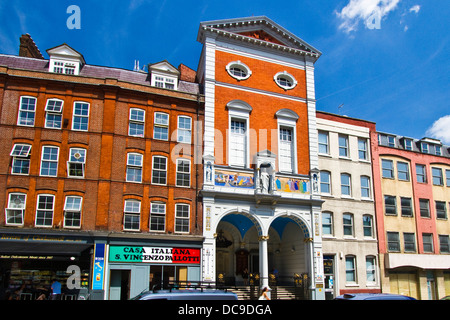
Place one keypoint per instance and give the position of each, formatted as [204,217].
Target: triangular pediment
[164,67]
[66,51]
[260,30]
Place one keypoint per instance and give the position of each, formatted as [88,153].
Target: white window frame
[344,147]
[133,165]
[327,183]
[26,111]
[52,111]
[75,159]
[159,124]
[73,210]
[184,173]
[364,151]
[23,154]
[364,187]
[157,215]
[287,76]
[368,227]
[50,161]
[138,120]
[352,271]
[164,81]
[350,226]
[325,144]
[14,207]
[184,135]
[182,219]
[45,211]
[371,269]
[131,212]
[349,186]
[159,170]
[287,125]
[64,67]
[238,65]
[331,223]
[80,116]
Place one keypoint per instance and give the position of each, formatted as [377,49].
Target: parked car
[373,296]
[187,294]
[445,298]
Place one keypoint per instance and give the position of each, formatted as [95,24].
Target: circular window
[238,70]
[285,80]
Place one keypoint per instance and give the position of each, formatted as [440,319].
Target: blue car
[373,296]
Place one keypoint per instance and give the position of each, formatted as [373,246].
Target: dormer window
[65,60]
[164,75]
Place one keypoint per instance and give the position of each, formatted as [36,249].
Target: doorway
[119,285]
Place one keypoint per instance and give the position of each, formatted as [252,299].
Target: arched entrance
[243,247]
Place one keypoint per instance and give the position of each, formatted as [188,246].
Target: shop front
[31,262]
[136,268]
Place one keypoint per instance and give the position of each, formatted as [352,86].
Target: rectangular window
[53,114]
[76,163]
[447,176]
[421,173]
[238,143]
[410,242]
[348,224]
[286,150]
[161,126]
[182,217]
[391,141]
[80,116]
[157,216]
[49,161]
[72,212]
[132,215]
[345,184]
[362,149]
[136,123]
[350,269]
[21,159]
[444,244]
[441,210]
[406,205]
[325,182]
[327,223]
[44,212]
[183,173]
[393,242]
[390,205]
[15,210]
[365,187]
[407,144]
[424,147]
[343,146]
[438,179]
[371,269]
[159,170]
[134,167]
[368,226]
[27,109]
[164,82]
[184,129]
[403,171]
[424,208]
[323,143]
[387,167]
[427,242]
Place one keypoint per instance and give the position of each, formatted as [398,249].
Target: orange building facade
[99,162]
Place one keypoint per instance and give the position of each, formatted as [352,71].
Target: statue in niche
[266,178]
[208,172]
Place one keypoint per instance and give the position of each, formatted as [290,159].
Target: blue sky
[387,61]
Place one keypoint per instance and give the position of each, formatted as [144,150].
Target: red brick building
[97,155]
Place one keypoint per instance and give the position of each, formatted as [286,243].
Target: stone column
[263,262]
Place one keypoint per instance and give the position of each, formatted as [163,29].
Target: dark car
[373,296]
[187,294]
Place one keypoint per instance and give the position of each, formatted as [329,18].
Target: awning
[22,248]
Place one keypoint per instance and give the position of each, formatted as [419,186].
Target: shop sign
[99,266]
[154,255]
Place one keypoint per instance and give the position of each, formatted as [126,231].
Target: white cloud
[440,130]
[369,11]
[415,8]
